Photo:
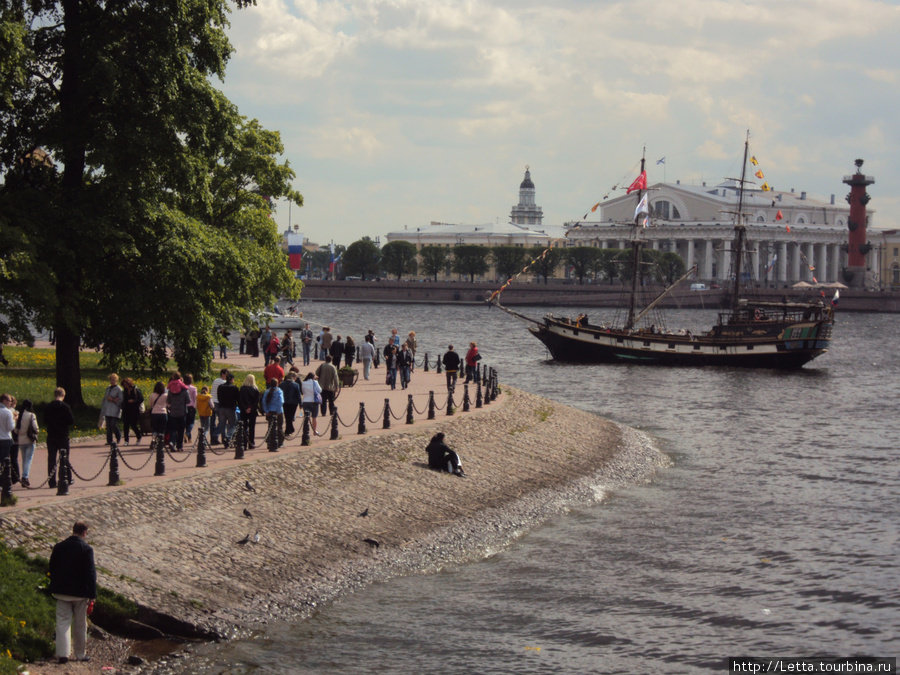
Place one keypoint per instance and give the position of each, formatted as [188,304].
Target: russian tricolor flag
[295,250]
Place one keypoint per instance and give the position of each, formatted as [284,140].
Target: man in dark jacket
[73,582]
[442,458]
[291,401]
[57,420]
[451,367]
[228,403]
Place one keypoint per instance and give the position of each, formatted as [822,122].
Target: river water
[774,533]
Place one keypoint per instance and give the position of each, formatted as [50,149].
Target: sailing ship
[749,333]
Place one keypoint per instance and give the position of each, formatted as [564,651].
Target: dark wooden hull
[785,345]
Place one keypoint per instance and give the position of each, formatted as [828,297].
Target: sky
[397,113]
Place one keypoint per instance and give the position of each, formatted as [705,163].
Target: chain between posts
[487,390]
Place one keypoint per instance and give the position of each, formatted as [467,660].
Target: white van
[699,287]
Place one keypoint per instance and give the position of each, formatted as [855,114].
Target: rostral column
[858,245]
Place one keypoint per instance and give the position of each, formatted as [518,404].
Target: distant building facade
[889,249]
[696,222]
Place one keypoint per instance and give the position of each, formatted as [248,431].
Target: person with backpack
[273,408]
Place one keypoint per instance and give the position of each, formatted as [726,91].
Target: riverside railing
[459,398]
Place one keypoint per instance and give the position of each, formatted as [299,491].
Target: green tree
[361,258]
[508,261]
[135,199]
[433,260]
[399,258]
[583,260]
[671,266]
[470,259]
[609,264]
[545,267]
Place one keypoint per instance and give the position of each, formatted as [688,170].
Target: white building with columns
[696,222]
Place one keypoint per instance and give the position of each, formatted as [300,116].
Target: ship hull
[779,346]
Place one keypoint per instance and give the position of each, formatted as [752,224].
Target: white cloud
[443,102]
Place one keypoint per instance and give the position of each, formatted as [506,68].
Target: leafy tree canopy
[470,260]
[433,260]
[362,258]
[135,199]
[399,258]
[583,260]
[545,267]
[508,260]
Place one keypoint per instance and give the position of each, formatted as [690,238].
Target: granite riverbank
[173,547]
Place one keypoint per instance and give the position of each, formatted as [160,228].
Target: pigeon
[372,542]
[249,487]
[364,513]
[244,540]
[247,514]
[256,537]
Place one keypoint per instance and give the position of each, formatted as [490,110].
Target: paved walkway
[90,457]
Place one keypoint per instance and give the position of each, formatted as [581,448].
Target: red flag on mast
[640,183]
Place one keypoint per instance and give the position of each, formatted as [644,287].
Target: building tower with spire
[526,212]
[858,245]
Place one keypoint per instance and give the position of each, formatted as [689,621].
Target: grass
[32,375]
[28,611]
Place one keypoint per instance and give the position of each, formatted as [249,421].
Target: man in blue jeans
[306,338]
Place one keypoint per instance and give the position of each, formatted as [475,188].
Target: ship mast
[740,233]
[636,245]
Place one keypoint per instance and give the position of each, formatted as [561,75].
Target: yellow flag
[759,174]
[753,160]
[765,187]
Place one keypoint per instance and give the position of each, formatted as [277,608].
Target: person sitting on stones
[442,458]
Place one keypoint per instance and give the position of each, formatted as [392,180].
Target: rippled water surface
[774,533]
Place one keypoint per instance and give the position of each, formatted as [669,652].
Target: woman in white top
[311,398]
[26,434]
[159,418]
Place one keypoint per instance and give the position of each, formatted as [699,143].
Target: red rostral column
[858,244]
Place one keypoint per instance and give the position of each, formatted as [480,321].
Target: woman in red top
[472,359]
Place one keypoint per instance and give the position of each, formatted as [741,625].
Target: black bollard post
[466,401]
[305,438]
[361,429]
[478,371]
[272,434]
[160,456]
[387,414]
[240,441]
[316,353]
[484,381]
[62,477]
[450,409]
[426,362]
[334,424]
[478,394]
[6,495]
[409,410]
[114,478]
[495,385]
[201,449]
[487,389]
[439,364]
[431,405]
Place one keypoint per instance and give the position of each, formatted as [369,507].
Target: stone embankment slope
[172,546]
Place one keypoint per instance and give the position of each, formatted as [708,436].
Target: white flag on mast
[642,207]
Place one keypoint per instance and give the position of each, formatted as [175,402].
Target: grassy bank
[31,374]
[28,611]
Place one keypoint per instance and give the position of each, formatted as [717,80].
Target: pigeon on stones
[364,513]
[256,537]
[247,514]
[372,542]
[248,487]
[244,540]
